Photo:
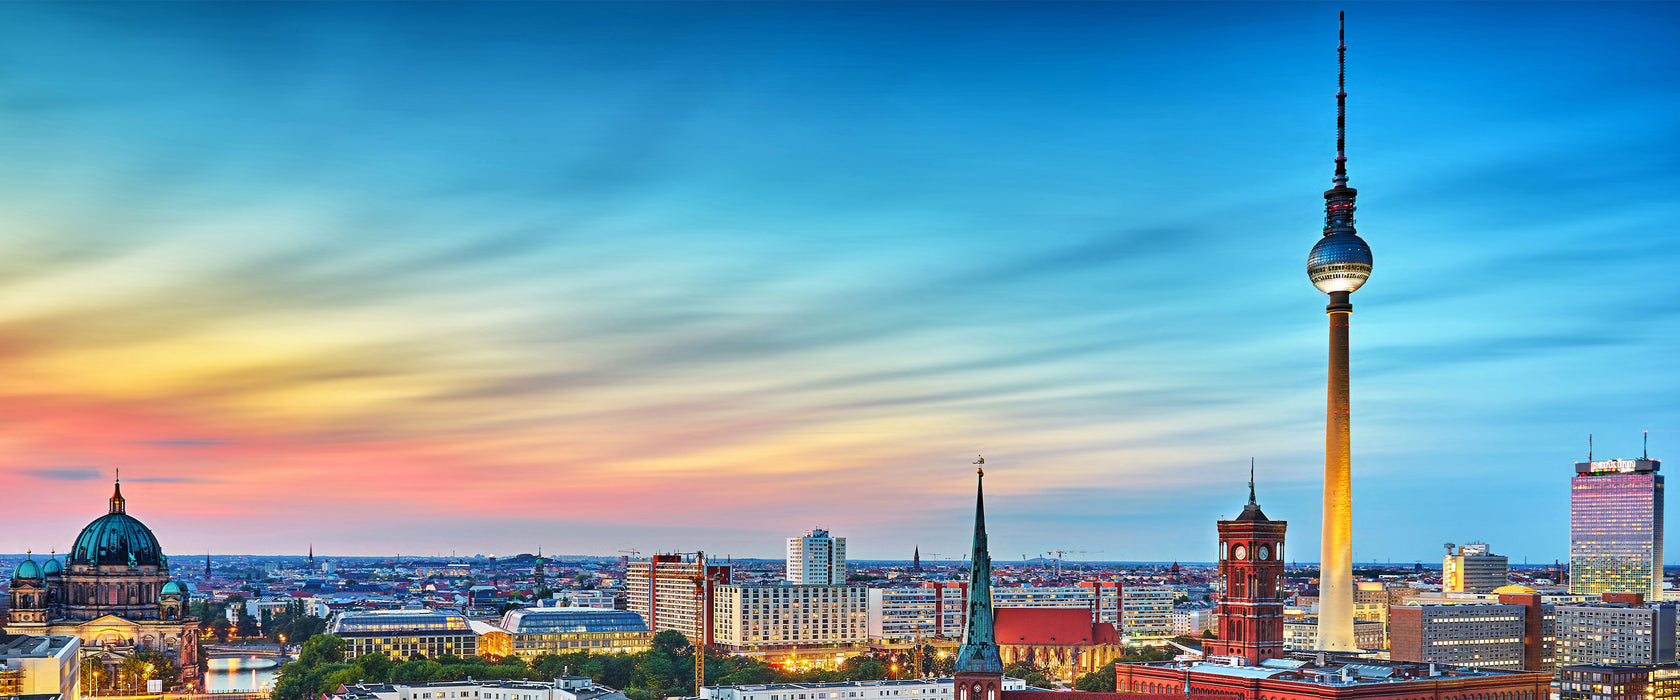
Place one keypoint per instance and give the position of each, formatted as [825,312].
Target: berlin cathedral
[113,591]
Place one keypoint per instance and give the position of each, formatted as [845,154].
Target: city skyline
[704,277]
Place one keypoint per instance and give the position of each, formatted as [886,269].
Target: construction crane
[1061,554]
[701,587]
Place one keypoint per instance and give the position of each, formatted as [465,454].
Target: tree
[94,675]
[321,649]
[1208,634]
[669,642]
[1035,675]
[144,666]
[376,668]
[1101,681]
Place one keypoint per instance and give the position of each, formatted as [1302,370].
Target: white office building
[816,559]
[764,617]
[1473,569]
[1192,621]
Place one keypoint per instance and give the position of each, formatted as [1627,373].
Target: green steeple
[979,652]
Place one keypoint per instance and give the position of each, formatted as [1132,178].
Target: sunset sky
[413,278]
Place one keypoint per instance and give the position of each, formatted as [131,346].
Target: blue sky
[423,277]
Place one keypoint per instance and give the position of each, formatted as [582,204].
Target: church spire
[979,652]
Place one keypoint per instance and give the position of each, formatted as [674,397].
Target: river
[241,673]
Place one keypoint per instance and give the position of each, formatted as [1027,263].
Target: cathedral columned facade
[113,591]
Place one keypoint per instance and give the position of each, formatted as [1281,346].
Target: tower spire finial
[1251,500]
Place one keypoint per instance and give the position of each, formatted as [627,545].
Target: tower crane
[1061,554]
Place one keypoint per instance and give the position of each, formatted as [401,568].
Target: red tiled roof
[1052,626]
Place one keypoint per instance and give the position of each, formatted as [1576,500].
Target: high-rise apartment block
[1146,611]
[929,611]
[1616,527]
[1623,629]
[1103,598]
[773,617]
[816,559]
[675,592]
[1473,569]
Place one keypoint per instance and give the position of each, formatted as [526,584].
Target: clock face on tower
[1240,552]
[1263,553]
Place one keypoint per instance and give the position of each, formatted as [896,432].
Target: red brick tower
[1251,609]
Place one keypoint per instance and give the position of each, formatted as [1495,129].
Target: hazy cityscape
[823,351]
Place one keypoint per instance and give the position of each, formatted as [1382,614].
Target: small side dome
[52,568]
[173,588]
[1514,589]
[28,570]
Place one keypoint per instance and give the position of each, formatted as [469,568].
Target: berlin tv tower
[1338,265]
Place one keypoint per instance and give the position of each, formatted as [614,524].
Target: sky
[413,279]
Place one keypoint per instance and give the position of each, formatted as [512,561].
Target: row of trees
[130,675]
[665,669]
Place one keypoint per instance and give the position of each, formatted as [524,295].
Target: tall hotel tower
[815,558]
[1338,265]
[1616,527]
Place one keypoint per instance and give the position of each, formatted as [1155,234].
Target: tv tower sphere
[1339,262]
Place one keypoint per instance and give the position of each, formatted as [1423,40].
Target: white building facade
[933,610]
[767,617]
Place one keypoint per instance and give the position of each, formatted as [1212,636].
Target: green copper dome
[28,569]
[52,568]
[116,539]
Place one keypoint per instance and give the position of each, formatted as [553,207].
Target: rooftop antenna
[1341,99]
[1645,452]
[1589,447]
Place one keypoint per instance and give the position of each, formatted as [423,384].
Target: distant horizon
[943,562]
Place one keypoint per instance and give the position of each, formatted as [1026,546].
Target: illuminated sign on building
[1618,466]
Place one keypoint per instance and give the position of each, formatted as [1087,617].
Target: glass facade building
[538,631]
[405,634]
[1616,528]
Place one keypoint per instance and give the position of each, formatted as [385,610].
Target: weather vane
[981,470]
